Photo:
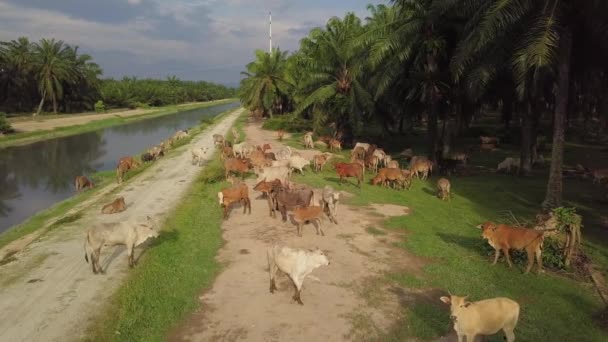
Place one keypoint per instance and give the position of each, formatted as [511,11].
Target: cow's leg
[130,254]
[299,229]
[273,272]
[244,204]
[297,283]
[539,259]
[283,213]
[97,256]
[470,337]
[509,334]
[505,250]
[461,338]
[530,260]
[249,205]
[496,256]
[319,228]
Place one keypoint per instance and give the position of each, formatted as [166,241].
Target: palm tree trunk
[526,143]
[553,197]
[41,104]
[54,104]
[432,127]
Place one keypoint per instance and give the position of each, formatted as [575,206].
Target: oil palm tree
[52,62]
[265,81]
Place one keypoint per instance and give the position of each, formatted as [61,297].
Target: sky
[208,40]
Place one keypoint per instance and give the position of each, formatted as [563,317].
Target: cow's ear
[466,305]
[445,299]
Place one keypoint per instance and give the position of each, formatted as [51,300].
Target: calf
[485,317]
[504,238]
[345,170]
[308,143]
[296,263]
[236,165]
[443,189]
[393,175]
[82,182]
[288,200]
[265,187]
[237,193]
[126,233]
[117,206]
[308,214]
[329,202]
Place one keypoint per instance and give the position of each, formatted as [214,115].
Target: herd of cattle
[273,169]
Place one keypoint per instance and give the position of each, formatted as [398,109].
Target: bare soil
[352,300]
[48,292]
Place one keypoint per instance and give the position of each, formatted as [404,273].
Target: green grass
[30,137]
[163,288]
[554,308]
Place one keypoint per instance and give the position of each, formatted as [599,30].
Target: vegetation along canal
[36,176]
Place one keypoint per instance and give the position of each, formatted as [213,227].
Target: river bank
[49,127]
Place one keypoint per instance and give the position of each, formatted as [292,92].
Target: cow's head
[145,231]
[318,258]
[457,304]
[487,228]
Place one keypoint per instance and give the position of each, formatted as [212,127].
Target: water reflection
[34,177]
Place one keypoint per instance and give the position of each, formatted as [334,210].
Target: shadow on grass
[473,244]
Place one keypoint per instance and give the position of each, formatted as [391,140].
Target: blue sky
[193,39]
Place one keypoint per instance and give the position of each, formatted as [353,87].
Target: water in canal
[33,177]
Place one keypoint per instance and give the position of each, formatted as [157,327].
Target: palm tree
[543,33]
[265,83]
[52,62]
[333,79]
[15,69]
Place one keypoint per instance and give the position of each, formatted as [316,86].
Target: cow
[504,238]
[236,165]
[364,146]
[489,140]
[227,152]
[296,263]
[358,152]
[507,164]
[284,153]
[487,147]
[319,160]
[265,187]
[335,144]
[82,182]
[128,233]
[345,170]
[125,164]
[421,166]
[599,175]
[298,163]
[218,140]
[311,214]
[485,317]
[443,189]
[147,157]
[289,199]
[237,193]
[393,164]
[281,173]
[308,143]
[393,175]
[280,134]
[198,155]
[329,202]
[117,206]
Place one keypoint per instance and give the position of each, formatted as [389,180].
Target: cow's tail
[86,249]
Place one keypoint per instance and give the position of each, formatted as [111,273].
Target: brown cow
[227,152]
[358,152]
[280,134]
[288,200]
[503,238]
[308,214]
[82,182]
[421,165]
[443,189]
[117,206]
[335,145]
[345,170]
[265,187]
[125,164]
[319,160]
[237,193]
[393,175]
[235,165]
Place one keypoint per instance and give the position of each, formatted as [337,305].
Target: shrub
[288,123]
[5,126]
[100,107]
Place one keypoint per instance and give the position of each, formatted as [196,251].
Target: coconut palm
[265,84]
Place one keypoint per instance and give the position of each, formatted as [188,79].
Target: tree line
[51,75]
[446,61]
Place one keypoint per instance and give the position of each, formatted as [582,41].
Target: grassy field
[145,309]
[554,306]
[30,137]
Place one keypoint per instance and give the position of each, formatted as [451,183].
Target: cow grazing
[308,143]
[289,199]
[147,157]
[198,155]
[346,170]
[296,263]
[240,166]
[507,164]
[485,317]
[329,202]
[504,238]
[443,189]
[372,162]
[82,183]
[237,193]
[311,214]
[117,206]
[298,163]
[421,166]
[124,165]
[127,233]
[179,135]
[394,176]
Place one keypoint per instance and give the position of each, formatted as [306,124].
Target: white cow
[507,164]
[329,201]
[198,155]
[298,163]
[296,263]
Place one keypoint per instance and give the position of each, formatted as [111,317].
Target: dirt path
[50,293]
[77,119]
[351,300]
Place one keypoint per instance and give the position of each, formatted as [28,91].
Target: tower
[270,32]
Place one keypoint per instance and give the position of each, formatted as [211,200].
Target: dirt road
[50,293]
[351,300]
